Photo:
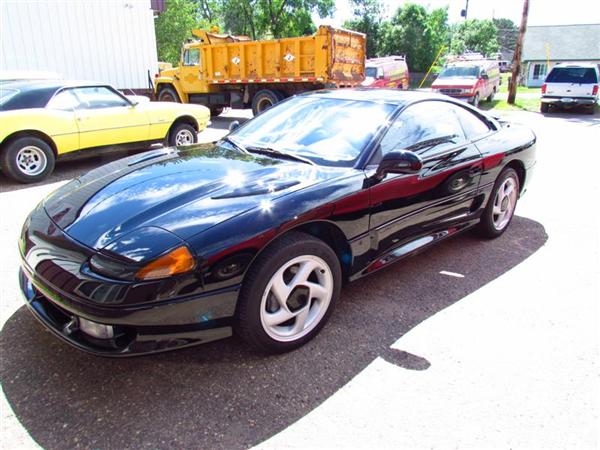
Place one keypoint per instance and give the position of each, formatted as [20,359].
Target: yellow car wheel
[182,134]
[27,160]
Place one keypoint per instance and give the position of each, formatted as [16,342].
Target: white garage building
[110,41]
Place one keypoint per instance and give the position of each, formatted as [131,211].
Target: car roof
[392,96]
[45,84]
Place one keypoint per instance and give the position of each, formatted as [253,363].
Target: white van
[570,85]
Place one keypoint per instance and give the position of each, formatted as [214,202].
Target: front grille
[451,91]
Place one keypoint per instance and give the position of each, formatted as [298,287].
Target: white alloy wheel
[296,298]
[31,160]
[504,203]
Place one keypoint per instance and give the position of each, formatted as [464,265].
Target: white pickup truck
[569,85]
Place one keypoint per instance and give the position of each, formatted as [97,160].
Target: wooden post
[514,80]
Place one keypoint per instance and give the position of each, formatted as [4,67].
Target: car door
[105,117]
[63,119]
[405,207]
[189,71]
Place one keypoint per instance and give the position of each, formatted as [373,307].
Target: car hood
[183,191]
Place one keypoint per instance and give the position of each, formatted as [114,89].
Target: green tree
[475,36]
[173,27]
[367,19]
[416,33]
[507,34]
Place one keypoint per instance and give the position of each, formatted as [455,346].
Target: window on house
[539,71]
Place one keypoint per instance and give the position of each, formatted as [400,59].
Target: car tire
[491,96]
[475,102]
[544,107]
[182,134]
[27,160]
[216,111]
[501,205]
[308,273]
[264,100]
[168,94]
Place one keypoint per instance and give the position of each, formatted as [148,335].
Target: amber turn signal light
[179,260]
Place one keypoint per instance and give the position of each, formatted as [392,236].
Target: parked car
[387,72]
[505,66]
[570,85]
[46,119]
[258,232]
[470,80]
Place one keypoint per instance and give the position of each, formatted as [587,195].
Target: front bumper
[156,334]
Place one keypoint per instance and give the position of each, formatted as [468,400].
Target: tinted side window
[474,127]
[424,127]
[95,97]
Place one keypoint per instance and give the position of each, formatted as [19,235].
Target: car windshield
[371,72]
[572,75]
[6,95]
[330,132]
[460,71]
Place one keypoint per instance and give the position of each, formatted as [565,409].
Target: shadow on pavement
[222,395]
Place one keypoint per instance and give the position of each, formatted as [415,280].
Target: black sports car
[257,232]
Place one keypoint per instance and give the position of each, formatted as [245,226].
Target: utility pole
[516,69]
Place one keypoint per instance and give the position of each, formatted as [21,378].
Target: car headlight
[175,262]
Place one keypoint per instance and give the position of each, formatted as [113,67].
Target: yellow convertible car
[43,120]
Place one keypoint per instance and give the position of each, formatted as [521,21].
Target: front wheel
[288,293]
[501,205]
[182,134]
[491,96]
[27,160]
[168,94]
[476,100]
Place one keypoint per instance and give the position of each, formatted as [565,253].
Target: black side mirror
[233,125]
[484,76]
[399,161]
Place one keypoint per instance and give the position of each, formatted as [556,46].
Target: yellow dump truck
[221,70]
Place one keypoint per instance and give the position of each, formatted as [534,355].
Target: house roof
[565,42]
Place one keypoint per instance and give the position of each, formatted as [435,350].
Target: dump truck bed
[330,56]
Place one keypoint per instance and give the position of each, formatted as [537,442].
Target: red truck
[387,72]
[469,80]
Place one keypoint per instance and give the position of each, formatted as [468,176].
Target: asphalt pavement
[503,356]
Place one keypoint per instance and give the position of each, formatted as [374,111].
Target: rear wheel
[501,205]
[168,94]
[288,293]
[544,107]
[264,100]
[27,160]
[491,96]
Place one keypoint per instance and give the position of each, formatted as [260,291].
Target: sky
[541,12]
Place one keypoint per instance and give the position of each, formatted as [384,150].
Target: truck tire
[168,94]
[216,111]
[263,100]
[475,101]
[491,96]
[27,160]
[544,107]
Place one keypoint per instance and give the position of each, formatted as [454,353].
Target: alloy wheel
[504,203]
[296,298]
[31,160]
[184,137]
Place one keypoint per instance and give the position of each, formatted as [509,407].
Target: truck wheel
[216,111]
[168,94]
[263,100]
[491,96]
[544,107]
[476,100]
[27,160]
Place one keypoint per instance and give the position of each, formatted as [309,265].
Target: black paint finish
[83,244]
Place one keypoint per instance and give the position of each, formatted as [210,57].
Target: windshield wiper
[278,154]
[237,145]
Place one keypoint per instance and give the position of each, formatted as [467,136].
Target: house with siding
[546,46]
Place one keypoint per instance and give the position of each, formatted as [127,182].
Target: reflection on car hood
[184,191]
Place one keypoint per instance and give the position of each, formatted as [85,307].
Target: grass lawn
[521,104]
[520,89]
